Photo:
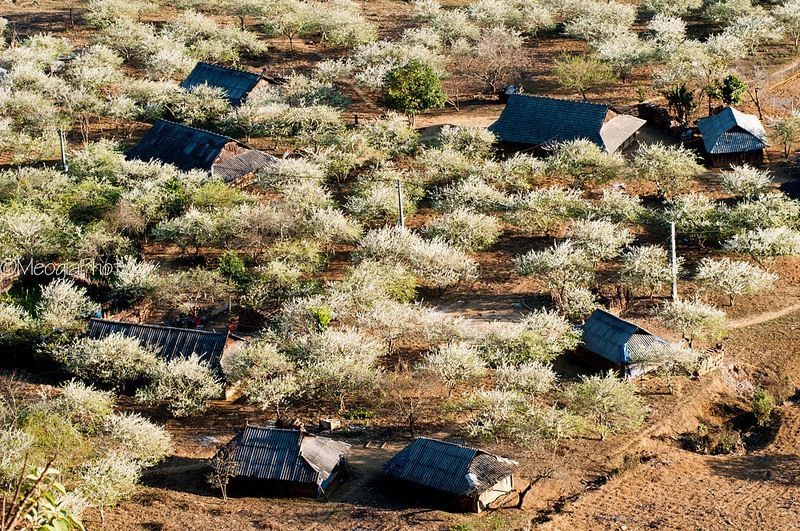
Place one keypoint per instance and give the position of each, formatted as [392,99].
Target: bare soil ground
[639,481]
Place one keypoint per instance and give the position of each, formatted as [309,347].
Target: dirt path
[764,317]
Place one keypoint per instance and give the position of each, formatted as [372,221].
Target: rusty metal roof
[449,467]
[237,84]
[169,342]
[732,131]
[239,165]
[264,452]
[614,338]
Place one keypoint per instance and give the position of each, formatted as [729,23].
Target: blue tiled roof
[237,84]
[169,342]
[449,467]
[537,120]
[615,339]
[186,147]
[732,131]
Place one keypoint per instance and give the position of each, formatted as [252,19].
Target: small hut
[236,84]
[189,148]
[610,342]
[733,137]
[463,477]
[533,121]
[284,462]
[168,342]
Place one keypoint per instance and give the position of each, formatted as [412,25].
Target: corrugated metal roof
[449,467]
[732,131]
[186,147]
[237,84]
[614,338]
[168,341]
[791,188]
[538,120]
[619,129]
[288,455]
[236,166]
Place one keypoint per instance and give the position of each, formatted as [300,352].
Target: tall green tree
[412,89]
[582,73]
[733,90]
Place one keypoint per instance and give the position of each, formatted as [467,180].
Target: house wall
[501,488]
[272,488]
[625,370]
[724,160]
[230,149]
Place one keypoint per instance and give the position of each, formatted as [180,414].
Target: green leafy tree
[733,90]
[608,402]
[412,89]
[582,73]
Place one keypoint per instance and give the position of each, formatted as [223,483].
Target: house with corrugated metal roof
[168,342]
[535,121]
[791,189]
[236,84]
[284,462]
[189,148]
[463,477]
[733,137]
[611,342]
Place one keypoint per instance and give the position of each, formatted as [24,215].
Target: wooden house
[534,121]
[189,148]
[283,462]
[733,137]
[610,342]
[237,84]
[463,477]
[168,342]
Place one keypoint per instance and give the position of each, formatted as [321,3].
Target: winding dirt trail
[763,317]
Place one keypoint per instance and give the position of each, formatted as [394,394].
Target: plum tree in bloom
[671,168]
[695,215]
[608,402]
[530,378]
[454,364]
[64,307]
[561,266]
[540,336]
[745,181]
[580,74]
[754,29]
[733,277]
[646,268]
[765,243]
[465,229]
[693,320]
[266,376]
[669,361]
[787,16]
[601,240]
[188,384]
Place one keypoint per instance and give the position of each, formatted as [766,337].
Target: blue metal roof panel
[538,120]
[732,131]
[187,148]
[614,338]
[237,84]
[448,467]
[169,342]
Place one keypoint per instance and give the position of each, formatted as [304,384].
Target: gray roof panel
[607,335]
[169,342]
[239,165]
[732,131]
[619,129]
[449,467]
[237,84]
[288,455]
[538,120]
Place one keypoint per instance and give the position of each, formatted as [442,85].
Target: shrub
[600,240]
[668,361]
[109,480]
[763,404]
[530,377]
[331,225]
[232,267]
[579,302]
[131,436]
[134,279]
[193,290]
[14,444]
[115,360]
[732,277]
[465,229]
[646,268]
[454,364]
[540,336]
[186,383]
[745,181]
[610,403]
[64,307]
[377,201]
[86,407]
[17,327]
[693,319]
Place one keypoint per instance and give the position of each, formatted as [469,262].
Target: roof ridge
[150,325]
[206,131]
[215,65]
[606,105]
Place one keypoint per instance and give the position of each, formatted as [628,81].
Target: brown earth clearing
[639,481]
